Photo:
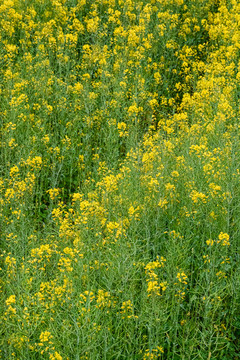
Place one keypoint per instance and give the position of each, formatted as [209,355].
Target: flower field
[119,179]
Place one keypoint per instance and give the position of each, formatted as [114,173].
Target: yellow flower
[11,300]
[45,336]
[210,242]
[53,193]
[55,356]
[224,239]
[92,24]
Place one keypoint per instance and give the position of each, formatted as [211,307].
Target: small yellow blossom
[11,300]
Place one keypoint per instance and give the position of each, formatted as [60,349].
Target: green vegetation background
[119,179]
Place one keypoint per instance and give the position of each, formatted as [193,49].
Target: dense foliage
[119,179]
